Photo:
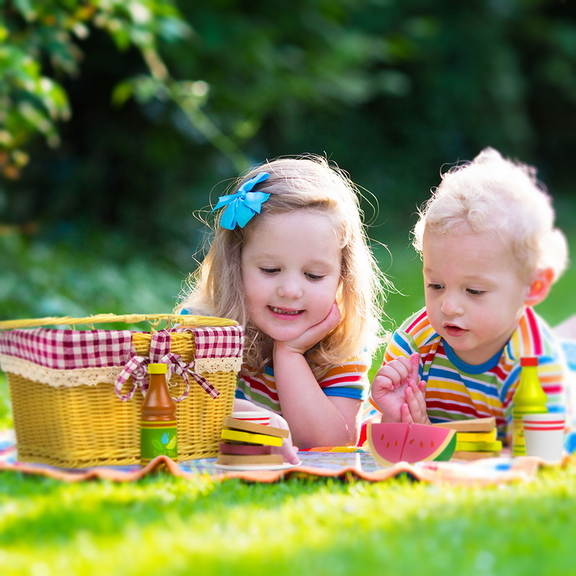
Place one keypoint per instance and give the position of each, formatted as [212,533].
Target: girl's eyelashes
[475,292]
[433,286]
[314,276]
[309,275]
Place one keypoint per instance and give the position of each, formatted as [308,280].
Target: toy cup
[255,417]
[544,435]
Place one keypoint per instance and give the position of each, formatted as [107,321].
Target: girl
[291,263]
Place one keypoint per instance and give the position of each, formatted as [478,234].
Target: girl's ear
[540,286]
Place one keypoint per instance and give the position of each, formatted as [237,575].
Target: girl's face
[291,272]
[475,293]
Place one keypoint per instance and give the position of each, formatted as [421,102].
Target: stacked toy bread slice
[475,439]
[248,444]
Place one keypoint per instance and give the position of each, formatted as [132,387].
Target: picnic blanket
[346,464]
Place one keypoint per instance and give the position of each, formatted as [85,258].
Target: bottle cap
[529,361]
[157,368]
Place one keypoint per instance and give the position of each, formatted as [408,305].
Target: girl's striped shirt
[458,391]
[348,380]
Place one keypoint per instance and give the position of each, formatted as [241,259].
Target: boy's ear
[540,286]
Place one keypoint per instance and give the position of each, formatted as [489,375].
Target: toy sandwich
[475,439]
[247,443]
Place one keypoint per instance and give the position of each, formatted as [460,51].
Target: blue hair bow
[241,206]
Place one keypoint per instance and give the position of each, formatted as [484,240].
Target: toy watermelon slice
[391,443]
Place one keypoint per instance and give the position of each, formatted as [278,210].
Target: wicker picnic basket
[76,394]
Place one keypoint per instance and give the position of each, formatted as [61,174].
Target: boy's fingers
[417,404]
[406,415]
[414,366]
[396,370]
[382,383]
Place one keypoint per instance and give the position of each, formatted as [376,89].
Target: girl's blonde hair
[301,183]
[494,194]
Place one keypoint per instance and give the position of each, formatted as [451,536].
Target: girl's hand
[314,334]
[397,392]
[288,450]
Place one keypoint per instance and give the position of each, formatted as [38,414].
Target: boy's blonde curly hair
[502,196]
[302,183]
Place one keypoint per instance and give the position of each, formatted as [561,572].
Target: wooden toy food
[475,438]
[396,442]
[247,443]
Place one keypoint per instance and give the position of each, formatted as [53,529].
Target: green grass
[165,525]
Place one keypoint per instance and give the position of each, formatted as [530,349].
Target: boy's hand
[414,410]
[398,393]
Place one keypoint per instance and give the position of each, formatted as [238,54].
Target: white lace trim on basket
[57,378]
[212,365]
[93,376]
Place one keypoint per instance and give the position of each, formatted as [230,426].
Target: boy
[490,252]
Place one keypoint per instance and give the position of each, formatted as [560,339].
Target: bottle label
[158,438]
[518,441]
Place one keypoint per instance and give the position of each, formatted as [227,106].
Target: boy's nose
[451,305]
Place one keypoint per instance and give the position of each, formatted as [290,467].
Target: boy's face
[474,290]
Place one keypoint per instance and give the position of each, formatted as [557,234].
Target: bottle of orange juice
[158,426]
[529,398]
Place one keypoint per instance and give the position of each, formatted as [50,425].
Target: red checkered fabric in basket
[75,349]
[218,341]
[68,349]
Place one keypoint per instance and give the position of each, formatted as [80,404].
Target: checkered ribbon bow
[137,368]
[179,367]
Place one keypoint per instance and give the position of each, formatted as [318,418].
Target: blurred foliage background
[120,118]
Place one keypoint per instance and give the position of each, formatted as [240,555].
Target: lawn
[166,525]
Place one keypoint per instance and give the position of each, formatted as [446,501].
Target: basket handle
[184,320]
